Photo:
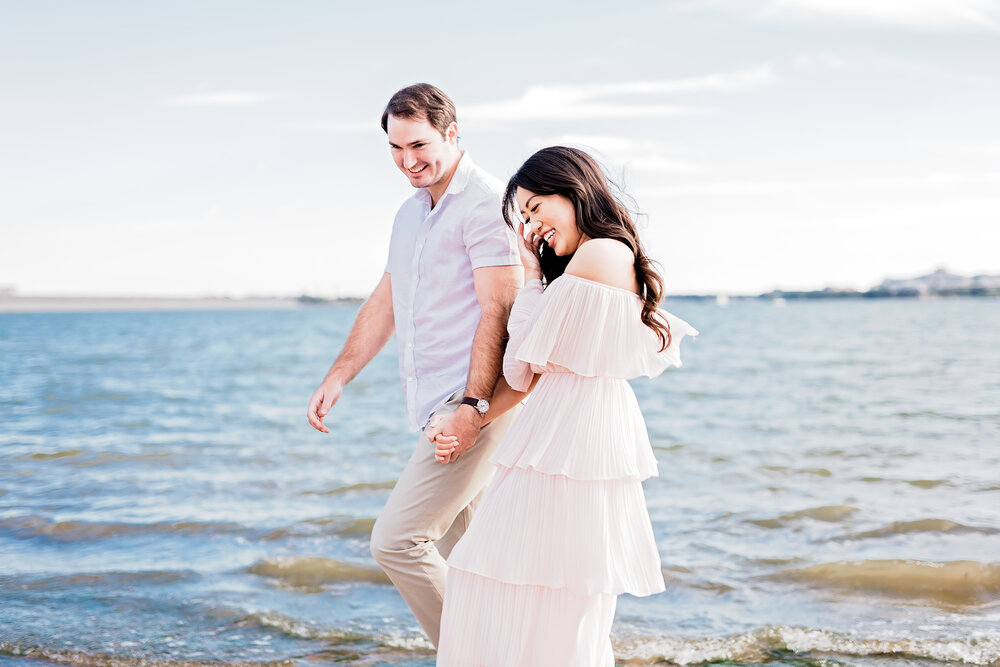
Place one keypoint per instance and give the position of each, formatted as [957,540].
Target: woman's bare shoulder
[607,261]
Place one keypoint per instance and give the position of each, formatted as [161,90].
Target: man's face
[420,151]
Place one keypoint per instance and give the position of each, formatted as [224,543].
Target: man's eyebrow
[412,143]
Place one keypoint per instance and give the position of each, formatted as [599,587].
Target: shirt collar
[459,180]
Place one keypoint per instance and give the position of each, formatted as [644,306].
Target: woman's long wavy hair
[559,170]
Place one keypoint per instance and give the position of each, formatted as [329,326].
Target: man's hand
[322,400]
[454,433]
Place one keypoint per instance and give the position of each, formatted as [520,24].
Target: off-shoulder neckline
[600,284]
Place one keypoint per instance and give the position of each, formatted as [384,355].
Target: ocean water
[829,490]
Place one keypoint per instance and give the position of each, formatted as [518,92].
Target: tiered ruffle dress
[563,528]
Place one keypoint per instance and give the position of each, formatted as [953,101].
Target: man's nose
[409,159]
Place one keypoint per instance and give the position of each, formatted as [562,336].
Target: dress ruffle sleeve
[518,373]
[592,329]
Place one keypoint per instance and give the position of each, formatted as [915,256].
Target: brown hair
[421,101]
[575,175]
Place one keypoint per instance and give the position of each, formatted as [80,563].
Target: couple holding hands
[564,308]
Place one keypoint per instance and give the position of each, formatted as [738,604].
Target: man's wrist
[472,410]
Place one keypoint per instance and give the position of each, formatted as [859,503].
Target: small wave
[921,526]
[951,583]
[827,513]
[310,574]
[682,577]
[97,579]
[819,472]
[339,526]
[363,486]
[926,483]
[31,525]
[62,454]
[767,643]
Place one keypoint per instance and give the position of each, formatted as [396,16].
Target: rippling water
[829,490]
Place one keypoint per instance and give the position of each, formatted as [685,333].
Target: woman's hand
[529,244]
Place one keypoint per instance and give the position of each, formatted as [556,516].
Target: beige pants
[432,503]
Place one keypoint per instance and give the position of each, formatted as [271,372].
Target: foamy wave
[296,628]
[760,646]
[956,582]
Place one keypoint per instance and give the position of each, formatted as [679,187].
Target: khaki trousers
[427,512]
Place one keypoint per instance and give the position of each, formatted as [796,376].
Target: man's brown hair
[421,101]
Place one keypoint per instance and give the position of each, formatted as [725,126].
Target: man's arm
[496,289]
[372,329]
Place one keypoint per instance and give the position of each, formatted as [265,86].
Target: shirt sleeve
[518,373]
[488,239]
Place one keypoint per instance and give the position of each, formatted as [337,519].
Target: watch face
[483,405]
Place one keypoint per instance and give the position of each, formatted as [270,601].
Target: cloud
[907,13]
[645,156]
[912,14]
[333,127]
[579,101]
[221,98]
[941,180]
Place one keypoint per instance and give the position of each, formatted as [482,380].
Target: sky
[233,148]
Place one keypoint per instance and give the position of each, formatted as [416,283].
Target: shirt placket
[412,378]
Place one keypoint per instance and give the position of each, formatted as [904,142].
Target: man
[451,278]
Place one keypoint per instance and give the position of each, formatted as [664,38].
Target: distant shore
[66,304]
[69,304]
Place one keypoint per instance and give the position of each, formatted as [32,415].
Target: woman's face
[552,218]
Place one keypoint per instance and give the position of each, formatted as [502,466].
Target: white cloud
[576,101]
[221,98]
[914,14]
[940,180]
[647,156]
[908,13]
[333,127]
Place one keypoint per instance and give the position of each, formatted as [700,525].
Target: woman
[563,528]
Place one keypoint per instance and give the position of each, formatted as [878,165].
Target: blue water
[828,490]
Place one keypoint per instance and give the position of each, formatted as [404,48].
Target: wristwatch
[480,404]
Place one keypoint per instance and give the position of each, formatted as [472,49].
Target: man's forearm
[486,358]
[372,329]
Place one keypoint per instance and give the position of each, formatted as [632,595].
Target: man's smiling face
[420,151]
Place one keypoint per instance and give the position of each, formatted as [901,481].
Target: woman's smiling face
[553,218]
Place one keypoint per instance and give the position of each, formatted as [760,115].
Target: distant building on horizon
[939,282]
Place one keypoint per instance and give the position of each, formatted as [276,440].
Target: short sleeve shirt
[432,254]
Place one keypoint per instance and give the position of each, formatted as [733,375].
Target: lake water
[829,489]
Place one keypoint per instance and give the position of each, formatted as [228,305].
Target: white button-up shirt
[432,254]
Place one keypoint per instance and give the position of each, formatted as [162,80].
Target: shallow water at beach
[828,493]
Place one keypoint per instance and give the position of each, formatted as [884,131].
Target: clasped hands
[454,433]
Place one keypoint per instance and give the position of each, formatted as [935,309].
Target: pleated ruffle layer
[587,537]
[581,427]
[588,328]
[489,623]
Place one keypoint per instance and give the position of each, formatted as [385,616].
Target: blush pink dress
[563,529]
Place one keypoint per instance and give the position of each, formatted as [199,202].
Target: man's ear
[452,132]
